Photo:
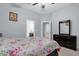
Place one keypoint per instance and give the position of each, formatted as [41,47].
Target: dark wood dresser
[66,41]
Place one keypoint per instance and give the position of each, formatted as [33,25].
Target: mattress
[27,46]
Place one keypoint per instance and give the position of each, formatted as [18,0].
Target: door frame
[26,27]
[42,22]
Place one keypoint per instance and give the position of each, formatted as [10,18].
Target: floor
[68,52]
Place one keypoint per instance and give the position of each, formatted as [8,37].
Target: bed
[28,47]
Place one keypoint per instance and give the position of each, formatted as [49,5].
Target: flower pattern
[26,46]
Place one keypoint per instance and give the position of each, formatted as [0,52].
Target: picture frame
[12,16]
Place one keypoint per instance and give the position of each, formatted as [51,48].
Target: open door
[30,28]
[46,29]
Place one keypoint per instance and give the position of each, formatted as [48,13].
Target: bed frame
[54,53]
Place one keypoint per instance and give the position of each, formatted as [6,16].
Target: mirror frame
[67,21]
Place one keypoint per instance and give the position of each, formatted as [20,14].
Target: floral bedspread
[27,46]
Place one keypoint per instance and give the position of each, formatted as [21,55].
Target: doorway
[30,28]
[46,29]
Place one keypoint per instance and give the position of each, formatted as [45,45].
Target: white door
[46,29]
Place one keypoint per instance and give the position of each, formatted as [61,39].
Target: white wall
[18,29]
[66,13]
[15,29]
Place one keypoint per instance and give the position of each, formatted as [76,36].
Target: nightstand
[0,34]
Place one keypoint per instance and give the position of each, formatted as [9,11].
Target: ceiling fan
[43,5]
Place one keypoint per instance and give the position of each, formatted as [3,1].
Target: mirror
[64,27]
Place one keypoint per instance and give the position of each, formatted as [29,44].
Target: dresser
[66,41]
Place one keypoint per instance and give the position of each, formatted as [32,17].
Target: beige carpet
[68,52]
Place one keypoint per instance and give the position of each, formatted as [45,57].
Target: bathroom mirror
[64,27]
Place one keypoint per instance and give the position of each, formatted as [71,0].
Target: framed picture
[12,16]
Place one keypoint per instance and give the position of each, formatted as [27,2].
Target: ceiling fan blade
[43,6]
[34,3]
[52,3]
[28,3]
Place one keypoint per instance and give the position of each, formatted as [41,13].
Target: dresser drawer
[71,46]
[69,42]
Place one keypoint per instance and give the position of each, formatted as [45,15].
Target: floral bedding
[27,46]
